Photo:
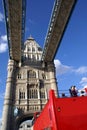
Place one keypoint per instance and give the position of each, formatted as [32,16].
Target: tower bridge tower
[27,86]
[31,71]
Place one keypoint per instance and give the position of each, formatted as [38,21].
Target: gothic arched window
[43,76]
[33,49]
[35,93]
[29,56]
[29,49]
[31,74]
[19,76]
[37,57]
[31,92]
[22,95]
[42,94]
[33,57]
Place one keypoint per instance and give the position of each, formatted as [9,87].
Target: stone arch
[21,119]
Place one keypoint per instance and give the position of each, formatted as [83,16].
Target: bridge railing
[64,92]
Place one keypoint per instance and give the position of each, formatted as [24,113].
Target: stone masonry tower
[27,87]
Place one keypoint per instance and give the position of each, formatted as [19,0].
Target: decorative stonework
[32,50]
[29,77]
[28,84]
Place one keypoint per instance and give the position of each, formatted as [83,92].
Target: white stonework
[27,86]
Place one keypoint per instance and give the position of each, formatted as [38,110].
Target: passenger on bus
[73,91]
[83,92]
[63,95]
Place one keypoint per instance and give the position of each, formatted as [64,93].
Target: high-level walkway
[15,22]
[31,70]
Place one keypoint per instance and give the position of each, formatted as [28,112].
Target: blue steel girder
[15,23]
[60,16]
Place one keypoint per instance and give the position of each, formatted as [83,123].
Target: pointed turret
[30,38]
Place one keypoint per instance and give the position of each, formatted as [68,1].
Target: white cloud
[2,95]
[1,17]
[81,70]
[3,43]
[61,69]
[83,81]
[3,47]
[4,38]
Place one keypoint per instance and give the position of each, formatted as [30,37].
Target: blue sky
[70,60]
